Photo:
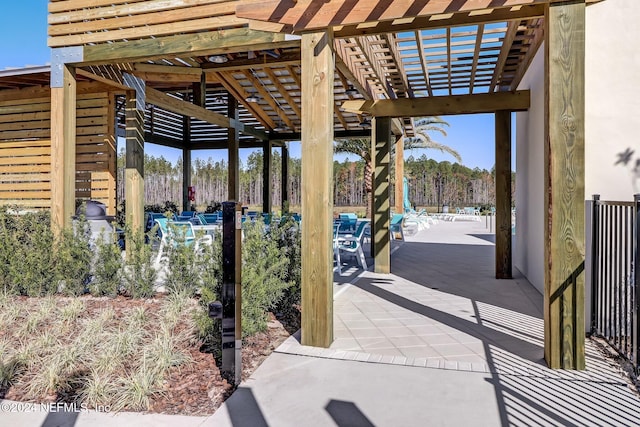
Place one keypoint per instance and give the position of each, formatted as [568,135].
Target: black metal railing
[615,277]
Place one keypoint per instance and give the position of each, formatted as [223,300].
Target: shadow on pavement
[60,419]
[466,271]
[347,414]
[244,409]
[507,342]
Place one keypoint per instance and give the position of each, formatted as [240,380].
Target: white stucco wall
[529,241]
[612,99]
[612,127]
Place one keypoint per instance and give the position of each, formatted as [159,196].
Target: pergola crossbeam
[442,105]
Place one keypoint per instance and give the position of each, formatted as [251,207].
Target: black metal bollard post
[231,368]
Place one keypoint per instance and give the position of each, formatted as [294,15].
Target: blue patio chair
[150,219]
[201,220]
[211,218]
[186,215]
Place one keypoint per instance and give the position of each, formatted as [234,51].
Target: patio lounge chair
[351,244]
[395,227]
[175,232]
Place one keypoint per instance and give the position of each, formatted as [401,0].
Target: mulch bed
[195,388]
[199,389]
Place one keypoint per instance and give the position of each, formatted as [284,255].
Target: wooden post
[399,189]
[186,158]
[285,178]
[134,169]
[381,153]
[233,186]
[63,149]
[200,99]
[564,181]
[110,141]
[503,194]
[266,176]
[318,68]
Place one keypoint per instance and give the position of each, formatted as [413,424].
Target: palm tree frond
[423,126]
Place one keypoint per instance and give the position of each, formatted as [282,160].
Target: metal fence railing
[615,276]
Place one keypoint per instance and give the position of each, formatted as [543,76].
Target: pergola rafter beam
[266,95]
[372,16]
[476,56]
[423,62]
[179,106]
[345,65]
[507,42]
[238,92]
[366,49]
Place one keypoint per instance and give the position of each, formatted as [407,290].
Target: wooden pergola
[262,72]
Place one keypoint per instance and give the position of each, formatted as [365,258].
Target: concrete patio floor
[439,341]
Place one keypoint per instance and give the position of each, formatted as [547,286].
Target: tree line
[431,183]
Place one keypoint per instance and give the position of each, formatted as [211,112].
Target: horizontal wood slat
[79,22]
[25,194]
[25,151]
[31,204]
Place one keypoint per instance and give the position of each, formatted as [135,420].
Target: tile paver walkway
[442,307]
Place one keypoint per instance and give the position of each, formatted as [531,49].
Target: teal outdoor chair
[173,233]
[395,227]
[352,244]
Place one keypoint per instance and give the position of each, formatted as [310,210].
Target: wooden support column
[266,176]
[503,194]
[285,178]
[134,163]
[110,141]
[318,68]
[381,152]
[564,333]
[233,185]
[399,188]
[186,158]
[63,148]
[200,99]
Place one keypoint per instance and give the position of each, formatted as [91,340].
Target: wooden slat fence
[25,151]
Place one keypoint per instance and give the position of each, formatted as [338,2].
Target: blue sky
[23,41]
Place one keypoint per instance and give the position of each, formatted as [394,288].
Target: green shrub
[264,272]
[289,239]
[27,262]
[107,268]
[139,273]
[210,290]
[184,264]
[73,258]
